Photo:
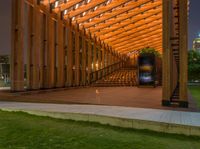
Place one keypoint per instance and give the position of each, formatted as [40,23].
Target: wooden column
[166,53]
[99,58]
[38,46]
[94,60]
[30,46]
[110,59]
[51,52]
[95,57]
[77,57]
[107,59]
[17,43]
[89,60]
[103,60]
[61,53]
[112,56]
[44,77]
[34,46]
[115,57]
[183,39]
[103,57]
[83,60]
[99,62]
[69,55]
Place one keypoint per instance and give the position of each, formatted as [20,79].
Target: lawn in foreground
[195,91]
[23,131]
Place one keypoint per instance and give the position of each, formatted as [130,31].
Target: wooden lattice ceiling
[125,25]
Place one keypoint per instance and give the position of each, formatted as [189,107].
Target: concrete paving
[180,122]
[112,96]
[4,88]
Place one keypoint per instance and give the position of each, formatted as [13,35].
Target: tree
[149,50]
[193,65]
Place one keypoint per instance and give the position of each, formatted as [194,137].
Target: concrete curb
[117,121]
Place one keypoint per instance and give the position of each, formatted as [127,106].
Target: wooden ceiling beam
[129,27]
[130,15]
[139,46]
[102,10]
[137,21]
[123,25]
[84,8]
[114,37]
[136,34]
[47,2]
[67,5]
[137,37]
[115,13]
[144,44]
[150,38]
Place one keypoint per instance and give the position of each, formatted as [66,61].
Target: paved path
[171,119]
[4,88]
[115,96]
[111,96]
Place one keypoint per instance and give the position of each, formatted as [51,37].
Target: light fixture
[65,12]
[56,4]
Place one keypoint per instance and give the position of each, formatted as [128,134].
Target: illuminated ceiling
[125,25]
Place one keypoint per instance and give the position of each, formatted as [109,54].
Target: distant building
[5,68]
[196,44]
[4,59]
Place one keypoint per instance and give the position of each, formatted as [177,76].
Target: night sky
[5,23]
[194,20]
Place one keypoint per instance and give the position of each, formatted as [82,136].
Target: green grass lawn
[195,91]
[23,131]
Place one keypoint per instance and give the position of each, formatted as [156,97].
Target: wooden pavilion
[63,41]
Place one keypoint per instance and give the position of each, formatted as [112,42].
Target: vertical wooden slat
[99,59]
[51,53]
[83,61]
[103,57]
[61,54]
[34,45]
[77,57]
[37,46]
[89,60]
[69,55]
[17,43]
[103,60]
[166,53]
[44,56]
[30,34]
[95,57]
[183,39]
[107,59]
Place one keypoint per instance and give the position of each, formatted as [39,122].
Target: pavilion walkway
[111,96]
